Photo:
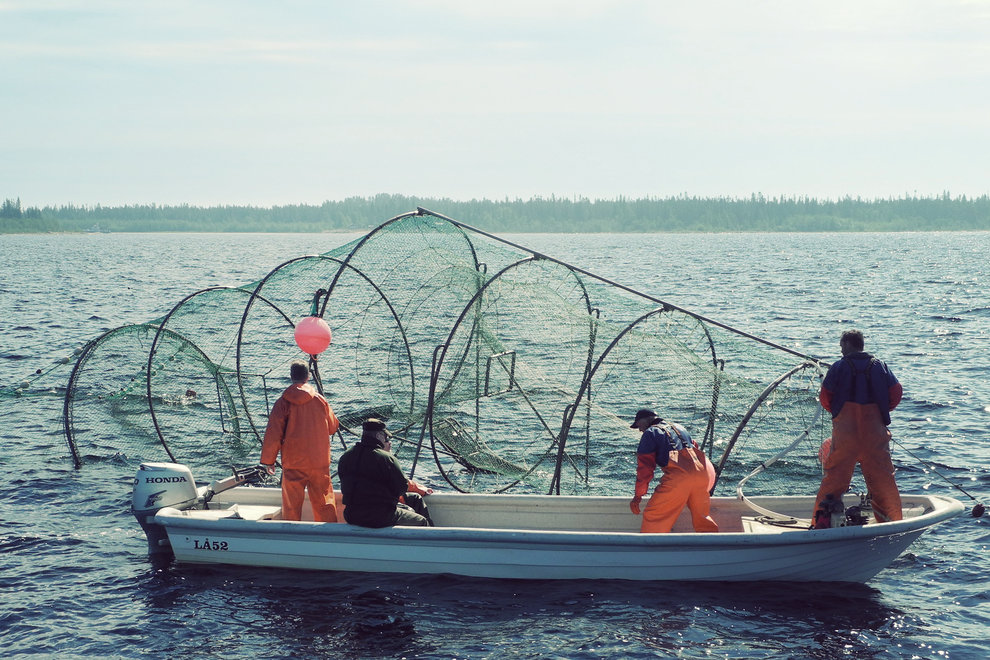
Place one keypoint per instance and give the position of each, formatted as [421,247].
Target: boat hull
[602,541]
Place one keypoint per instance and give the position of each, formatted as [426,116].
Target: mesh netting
[497,367]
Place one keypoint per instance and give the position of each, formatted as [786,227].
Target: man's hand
[634,504]
[416,488]
[270,469]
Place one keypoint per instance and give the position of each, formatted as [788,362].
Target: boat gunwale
[943,508]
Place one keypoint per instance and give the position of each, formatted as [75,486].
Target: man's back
[300,425]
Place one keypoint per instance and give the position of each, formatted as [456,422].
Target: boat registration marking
[207,544]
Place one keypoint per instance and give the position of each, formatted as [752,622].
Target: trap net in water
[497,367]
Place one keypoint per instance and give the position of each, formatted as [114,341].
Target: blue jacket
[662,439]
[860,378]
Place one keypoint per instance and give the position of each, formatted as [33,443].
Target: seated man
[373,485]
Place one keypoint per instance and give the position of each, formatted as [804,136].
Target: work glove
[634,504]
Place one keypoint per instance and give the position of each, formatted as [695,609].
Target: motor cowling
[156,486]
[830,513]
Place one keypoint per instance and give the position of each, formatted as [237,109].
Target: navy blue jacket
[860,378]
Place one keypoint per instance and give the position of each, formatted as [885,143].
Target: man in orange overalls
[684,481]
[860,391]
[300,427]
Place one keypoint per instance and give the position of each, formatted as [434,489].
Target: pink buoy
[825,449]
[313,335]
[711,474]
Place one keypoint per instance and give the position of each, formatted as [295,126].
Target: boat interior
[771,515]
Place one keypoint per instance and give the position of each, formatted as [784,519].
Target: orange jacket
[300,427]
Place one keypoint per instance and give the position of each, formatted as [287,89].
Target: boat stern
[156,486]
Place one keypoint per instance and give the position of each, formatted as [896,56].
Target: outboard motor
[156,486]
[830,513]
[859,514]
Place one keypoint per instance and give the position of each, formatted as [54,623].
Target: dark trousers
[413,514]
[416,505]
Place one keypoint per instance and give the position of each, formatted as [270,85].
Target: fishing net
[497,367]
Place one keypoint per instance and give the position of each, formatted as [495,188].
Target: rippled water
[75,581]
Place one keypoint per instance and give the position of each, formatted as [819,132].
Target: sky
[247,102]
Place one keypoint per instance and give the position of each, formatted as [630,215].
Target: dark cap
[645,413]
[373,426]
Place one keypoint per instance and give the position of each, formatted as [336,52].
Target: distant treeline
[553,214]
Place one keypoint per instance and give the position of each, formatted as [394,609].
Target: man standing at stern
[860,391]
[684,481]
[300,427]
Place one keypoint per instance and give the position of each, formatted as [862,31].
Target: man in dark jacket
[860,391]
[372,483]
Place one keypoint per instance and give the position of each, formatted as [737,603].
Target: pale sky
[284,102]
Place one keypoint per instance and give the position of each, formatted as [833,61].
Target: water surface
[76,581]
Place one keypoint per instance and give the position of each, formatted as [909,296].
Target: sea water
[75,580]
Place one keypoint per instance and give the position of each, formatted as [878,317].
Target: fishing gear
[978,509]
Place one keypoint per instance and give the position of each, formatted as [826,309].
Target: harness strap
[677,439]
[856,372]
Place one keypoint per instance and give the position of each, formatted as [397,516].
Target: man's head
[375,429]
[851,342]
[299,372]
[644,419]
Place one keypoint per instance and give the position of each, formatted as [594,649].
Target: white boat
[523,536]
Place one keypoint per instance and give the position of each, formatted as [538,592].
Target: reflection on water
[370,615]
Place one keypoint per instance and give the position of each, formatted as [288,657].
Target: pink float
[313,335]
[825,449]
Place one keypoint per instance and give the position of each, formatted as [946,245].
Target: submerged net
[498,368]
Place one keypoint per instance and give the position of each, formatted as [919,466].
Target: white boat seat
[238,511]
[760,525]
[256,512]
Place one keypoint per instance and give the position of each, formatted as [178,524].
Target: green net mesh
[497,368]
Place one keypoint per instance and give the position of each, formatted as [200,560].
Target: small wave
[977,311]
[15,543]
[923,407]
[21,543]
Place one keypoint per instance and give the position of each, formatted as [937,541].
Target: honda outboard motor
[156,486]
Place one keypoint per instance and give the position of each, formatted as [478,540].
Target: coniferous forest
[554,214]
